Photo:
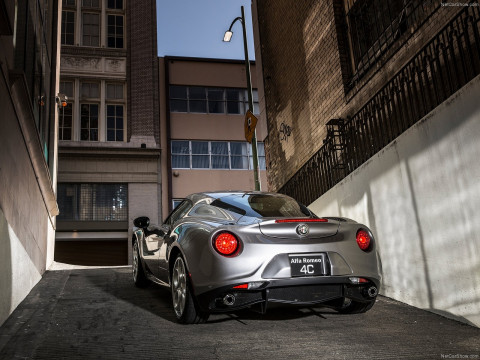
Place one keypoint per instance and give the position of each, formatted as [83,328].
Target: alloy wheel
[179,287]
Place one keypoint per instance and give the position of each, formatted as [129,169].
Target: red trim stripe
[300,220]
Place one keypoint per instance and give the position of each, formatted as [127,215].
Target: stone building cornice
[92,51]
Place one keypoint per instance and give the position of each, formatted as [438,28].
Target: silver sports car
[224,251]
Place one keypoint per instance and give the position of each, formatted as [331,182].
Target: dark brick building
[316,67]
[372,114]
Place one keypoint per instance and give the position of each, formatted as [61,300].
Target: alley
[99,314]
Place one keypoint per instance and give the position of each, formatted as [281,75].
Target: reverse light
[358,280]
[250,286]
[363,240]
[300,220]
[225,243]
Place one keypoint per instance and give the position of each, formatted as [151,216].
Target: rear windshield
[262,205]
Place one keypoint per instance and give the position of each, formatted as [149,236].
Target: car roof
[221,194]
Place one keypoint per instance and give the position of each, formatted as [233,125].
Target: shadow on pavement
[154,298]
[157,300]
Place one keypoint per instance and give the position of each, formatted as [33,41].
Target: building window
[260,155]
[115,91]
[176,202]
[200,155]
[90,90]
[178,99]
[215,155]
[210,100]
[115,31]
[93,202]
[115,123]
[68,28]
[180,154]
[197,99]
[216,101]
[65,121]
[66,87]
[239,155]
[68,3]
[220,158]
[94,4]
[115,112]
[234,101]
[91,29]
[373,26]
[89,122]
[115,4]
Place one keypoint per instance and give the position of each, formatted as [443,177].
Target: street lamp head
[228,36]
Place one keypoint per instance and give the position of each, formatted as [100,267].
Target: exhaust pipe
[372,291]
[229,300]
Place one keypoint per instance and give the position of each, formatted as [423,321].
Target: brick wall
[142,67]
[305,60]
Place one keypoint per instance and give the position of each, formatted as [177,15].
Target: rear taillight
[363,240]
[225,243]
[300,220]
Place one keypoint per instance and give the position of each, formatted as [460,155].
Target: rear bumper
[304,292]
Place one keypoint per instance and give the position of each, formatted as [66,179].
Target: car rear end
[297,261]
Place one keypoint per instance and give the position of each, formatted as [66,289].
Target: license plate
[307,265]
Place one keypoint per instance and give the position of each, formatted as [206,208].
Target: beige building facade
[202,125]
[109,149]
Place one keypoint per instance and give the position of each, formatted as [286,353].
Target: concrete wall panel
[421,197]
[18,271]
[25,229]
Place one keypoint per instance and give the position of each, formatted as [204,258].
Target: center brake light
[300,220]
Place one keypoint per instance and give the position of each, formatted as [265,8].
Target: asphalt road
[99,314]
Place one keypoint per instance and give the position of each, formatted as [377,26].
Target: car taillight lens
[225,243]
[363,240]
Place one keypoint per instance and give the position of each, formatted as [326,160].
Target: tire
[349,306]
[183,302]
[139,278]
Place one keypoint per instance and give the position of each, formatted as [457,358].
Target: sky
[195,28]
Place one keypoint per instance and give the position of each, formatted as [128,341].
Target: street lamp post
[227,38]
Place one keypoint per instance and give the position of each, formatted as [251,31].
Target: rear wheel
[349,306]
[182,298]
[139,277]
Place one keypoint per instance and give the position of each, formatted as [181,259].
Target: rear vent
[305,294]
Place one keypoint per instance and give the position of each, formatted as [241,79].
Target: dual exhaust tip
[229,299]
[372,291]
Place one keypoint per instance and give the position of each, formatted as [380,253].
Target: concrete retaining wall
[26,230]
[421,197]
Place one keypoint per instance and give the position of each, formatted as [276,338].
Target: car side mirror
[141,222]
[159,232]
